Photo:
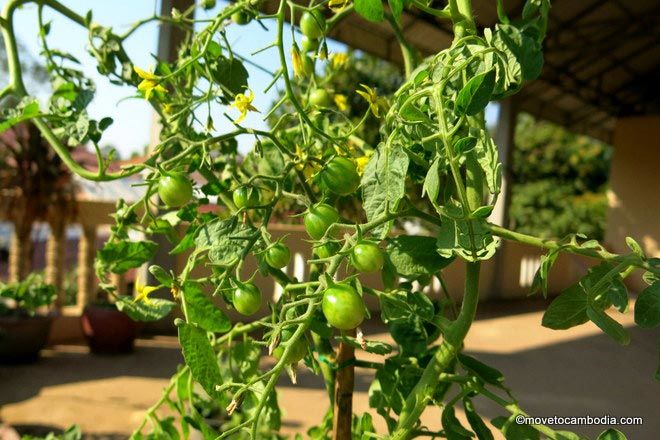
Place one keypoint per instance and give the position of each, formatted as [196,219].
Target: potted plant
[107,330]
[24,326]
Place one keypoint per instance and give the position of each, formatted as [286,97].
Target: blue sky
[132,117]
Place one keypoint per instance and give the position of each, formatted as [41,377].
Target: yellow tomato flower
[339,60]
[376,103]
[150,82]
[361,162]
[338,5]
[243,103]
[296,61]
[142,291]
[341,102]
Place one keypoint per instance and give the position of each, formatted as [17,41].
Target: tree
[559,181]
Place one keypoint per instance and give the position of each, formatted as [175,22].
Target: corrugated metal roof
[601,56]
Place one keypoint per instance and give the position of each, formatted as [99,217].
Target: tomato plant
[434,164]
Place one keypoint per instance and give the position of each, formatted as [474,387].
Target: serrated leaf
[475,95]
[452,426]
[202,311]
[471,240]
[608,325]
[415,255]
[567,310]
[120,256]
[465,145]
[487,373]
[225,240]
[371,10]
[383,182]
[477,424]
[647,307]
[543,273]
[153,310]
[200,357]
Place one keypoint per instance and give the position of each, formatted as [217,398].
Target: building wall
[634,195]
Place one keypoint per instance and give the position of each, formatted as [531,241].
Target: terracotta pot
[23,337]
[107,330]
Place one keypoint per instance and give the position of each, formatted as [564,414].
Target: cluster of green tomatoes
[342,306]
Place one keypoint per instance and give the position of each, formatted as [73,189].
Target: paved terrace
[577,372]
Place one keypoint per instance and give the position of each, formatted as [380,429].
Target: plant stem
[422,394]
[342,415]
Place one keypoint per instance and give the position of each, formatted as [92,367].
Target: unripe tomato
[340,176]
[307,66]
[299,348]
[175,190]
[327,250]
[208,4]
[319,218]
[241,18]
[320,98]
[343,307]
[246,197]
[367,257]
[278,255]
[312,24]
[247,299]
[309,44]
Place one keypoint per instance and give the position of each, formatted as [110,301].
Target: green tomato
[278,255]
[247,299]
[241,18]
[320,98]
[367,257]
[312,24]
[319,218]
[299,348]
[307,66]
[340,176]
[309,44]
[343,307]
[246,197]
[175,190]
[327,250]
[208,4]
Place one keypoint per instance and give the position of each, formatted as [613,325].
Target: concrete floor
[578,372]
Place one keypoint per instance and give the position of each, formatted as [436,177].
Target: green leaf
[482,211]
[611,327]
[611,434]
[488,158]
[465,145]
[245,356]
[541,277]
[383,182]
[371,10]
[475,95]
[200,357]
[477,424]
[458,237]
[29,110]
[635,247]
[375,347]
[396,6]
[403,305]
[414,256]
[232,75]
[410,113]
[120,256]
[202,311]
[431,185]
[453,428]
[567,310]
[161,275]
[647,307]
[153,310]
[487,373]
[225,240]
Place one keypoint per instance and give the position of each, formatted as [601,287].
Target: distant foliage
[559,181]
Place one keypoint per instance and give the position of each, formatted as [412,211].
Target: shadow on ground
[71,364]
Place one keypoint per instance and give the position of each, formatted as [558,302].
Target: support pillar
[504,139]
[86,254]
[55,260]
[20,253]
